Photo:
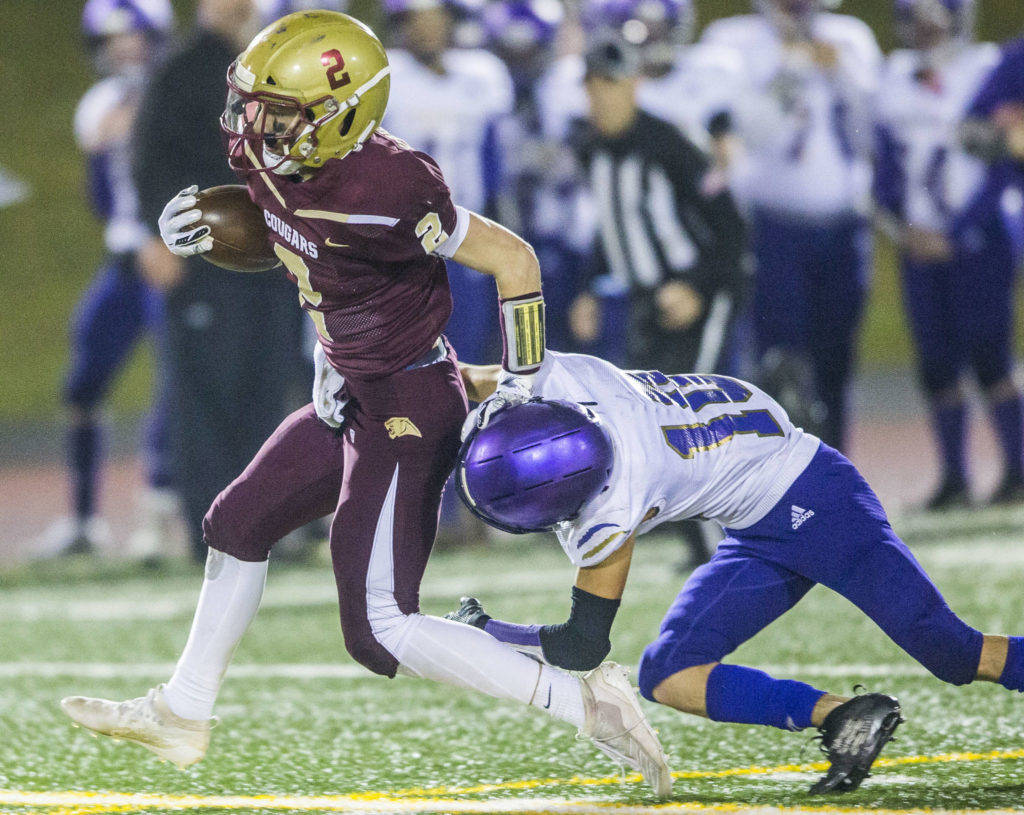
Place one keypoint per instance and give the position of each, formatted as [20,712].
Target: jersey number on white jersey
[696,392]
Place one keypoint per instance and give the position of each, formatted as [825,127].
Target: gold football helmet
[310,87]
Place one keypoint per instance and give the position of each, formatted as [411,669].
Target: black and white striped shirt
[657,218]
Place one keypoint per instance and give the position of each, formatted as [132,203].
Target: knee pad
[376,641]
[227,527]
[364,649]
[667,655]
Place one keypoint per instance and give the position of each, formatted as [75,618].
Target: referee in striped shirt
[668,229]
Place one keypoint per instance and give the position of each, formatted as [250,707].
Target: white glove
[179,214]
[512,390]
[328,385]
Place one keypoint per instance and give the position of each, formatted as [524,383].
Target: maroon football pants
[382,477]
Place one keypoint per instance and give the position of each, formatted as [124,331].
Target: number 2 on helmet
[334,63]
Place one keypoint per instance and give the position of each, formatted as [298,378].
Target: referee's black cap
[612,58]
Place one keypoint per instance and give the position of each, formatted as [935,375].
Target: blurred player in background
[691,85]
[995,131]
[447,102]
[542,194]
[669,231]
[125,38]
[234,341]
[806,176]
[946,215]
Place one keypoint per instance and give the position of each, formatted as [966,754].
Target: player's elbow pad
[582,642]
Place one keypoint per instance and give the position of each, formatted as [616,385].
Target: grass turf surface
[300,719]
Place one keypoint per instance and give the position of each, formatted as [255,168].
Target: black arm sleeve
[581,642]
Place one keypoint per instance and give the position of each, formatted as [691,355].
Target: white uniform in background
[704,80]
[113,191]
[807,130]
[922,118]
[687,445]
[448,116]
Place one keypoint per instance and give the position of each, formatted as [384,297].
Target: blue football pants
[761,572]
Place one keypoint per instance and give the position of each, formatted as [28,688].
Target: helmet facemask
[278,128]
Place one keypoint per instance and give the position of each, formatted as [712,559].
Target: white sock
[228,601]
[467,657]
[559,694]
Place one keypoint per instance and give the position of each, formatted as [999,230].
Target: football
[241,240]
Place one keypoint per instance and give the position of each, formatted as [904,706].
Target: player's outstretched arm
[494,250]
[582,641]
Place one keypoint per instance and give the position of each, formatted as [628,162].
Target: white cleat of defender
[147,721]
[618,728]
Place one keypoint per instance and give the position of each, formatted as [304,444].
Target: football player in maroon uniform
[362,223]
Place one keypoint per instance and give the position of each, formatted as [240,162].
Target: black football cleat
[852,736]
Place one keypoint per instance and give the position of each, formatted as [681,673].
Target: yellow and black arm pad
[522,333]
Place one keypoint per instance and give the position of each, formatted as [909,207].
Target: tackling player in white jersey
[805,175]
[601,456]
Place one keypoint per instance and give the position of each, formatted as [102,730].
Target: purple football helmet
[105,18]
[671,19]
[915,19]
[522,25]
[533,465]
[656,27]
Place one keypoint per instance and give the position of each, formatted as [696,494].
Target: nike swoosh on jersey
[334,245]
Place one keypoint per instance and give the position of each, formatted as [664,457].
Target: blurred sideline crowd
[696,205]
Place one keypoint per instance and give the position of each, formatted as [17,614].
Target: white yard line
[52,602]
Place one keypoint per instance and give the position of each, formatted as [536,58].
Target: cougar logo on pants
[401,426]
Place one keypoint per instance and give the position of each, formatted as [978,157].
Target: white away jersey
[449,116]
[686,445]
[109,158]
[807,129]
[919,111]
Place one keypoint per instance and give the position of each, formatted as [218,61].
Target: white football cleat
[619,729]
[147,721]
[73,536]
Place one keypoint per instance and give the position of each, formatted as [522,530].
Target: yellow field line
[118,802]
[424,801]
[578,781]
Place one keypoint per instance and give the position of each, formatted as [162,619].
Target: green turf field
[305,729]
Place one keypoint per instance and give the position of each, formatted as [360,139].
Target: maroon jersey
[358,240]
